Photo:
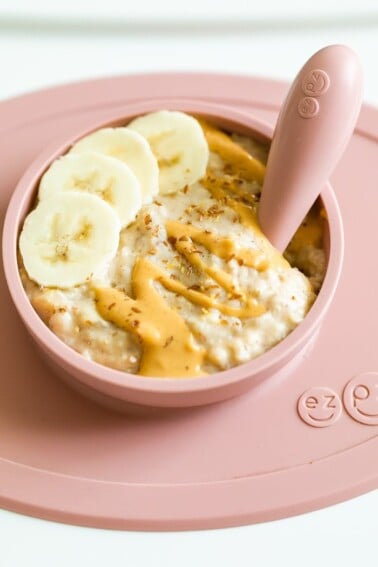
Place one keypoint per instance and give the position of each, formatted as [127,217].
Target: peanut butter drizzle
[168,346]
[150,318]
[310,233]
[250,309]
[220,246]
[247,216]
[236,157]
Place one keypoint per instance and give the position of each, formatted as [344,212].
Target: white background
[43,43]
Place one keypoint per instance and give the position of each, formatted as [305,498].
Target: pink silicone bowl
[122,391]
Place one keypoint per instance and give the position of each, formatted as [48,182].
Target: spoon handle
[313,128]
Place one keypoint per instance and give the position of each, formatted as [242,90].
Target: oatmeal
[193,286]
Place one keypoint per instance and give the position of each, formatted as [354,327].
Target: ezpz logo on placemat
[321,407]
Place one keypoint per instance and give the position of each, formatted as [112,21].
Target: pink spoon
[313,128]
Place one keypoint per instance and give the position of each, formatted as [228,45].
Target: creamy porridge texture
[190,285]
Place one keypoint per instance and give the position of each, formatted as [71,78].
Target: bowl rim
[99,376]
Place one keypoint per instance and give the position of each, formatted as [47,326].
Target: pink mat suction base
[293,444]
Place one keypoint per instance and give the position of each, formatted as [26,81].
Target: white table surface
[41,45]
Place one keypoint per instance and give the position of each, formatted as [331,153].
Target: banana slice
[67,238]
[103,176]
[179,144]
[129,147]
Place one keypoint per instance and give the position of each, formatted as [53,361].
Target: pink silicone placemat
[291,445]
